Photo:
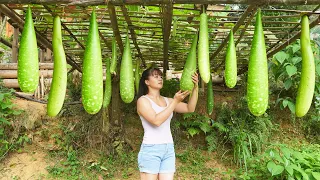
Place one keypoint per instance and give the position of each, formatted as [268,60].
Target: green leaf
[274,169]
[193,131]
[292,107]
[285,103]
[301,171]
[1,96]
[286,152]
[288,84]
[295,48]
[278,157]
[290,178]
[291,70]
[205,127]
[298,155]
[286,162]
[316,175]
[16,112]
[296,60]
[281,56]
[271,153]
[289,169]
[297,176]
[4,121]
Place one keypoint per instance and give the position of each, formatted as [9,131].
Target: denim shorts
[157,158]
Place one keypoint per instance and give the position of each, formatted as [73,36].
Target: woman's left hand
[195,79]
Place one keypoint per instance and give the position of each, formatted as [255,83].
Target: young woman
[156,158]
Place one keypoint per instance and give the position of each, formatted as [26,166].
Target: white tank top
[154,134]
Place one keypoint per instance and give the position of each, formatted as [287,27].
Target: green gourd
[257,84]
[28,63]
[307,80]
[230,72]
[59,80]
[203,49]
[92,76]
[190,67]
[126,75]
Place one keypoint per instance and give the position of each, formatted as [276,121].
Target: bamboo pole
[5,42]
[155,2]
[14,66]
[42,86]
[12,74]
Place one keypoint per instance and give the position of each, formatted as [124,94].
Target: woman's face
[155,81]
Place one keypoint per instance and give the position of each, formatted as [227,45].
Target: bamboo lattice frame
[151,32]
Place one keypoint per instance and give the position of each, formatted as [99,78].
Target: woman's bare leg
[147,176]
[166,176]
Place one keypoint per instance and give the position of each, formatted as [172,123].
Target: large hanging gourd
[108,86]
[92,76]
[257,84]
[28,63]
[203,49]
[230,72]
[307,79]
[126,74]
[190,67]
[59,80]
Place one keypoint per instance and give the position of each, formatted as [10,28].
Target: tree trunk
[112,123]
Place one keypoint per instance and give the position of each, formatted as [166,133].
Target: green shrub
[281,162]
[8,139]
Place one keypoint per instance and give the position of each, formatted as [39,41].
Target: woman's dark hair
[143,88]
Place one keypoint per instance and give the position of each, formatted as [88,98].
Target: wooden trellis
[150,31]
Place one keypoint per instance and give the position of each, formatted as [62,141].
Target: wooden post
[48,56]
[15,45]
[41,55]
[201,85]
[42,86]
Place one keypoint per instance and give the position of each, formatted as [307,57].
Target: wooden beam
[65,27]
[155,2]
[167,20]
[16,21]
[42,40]
[292,39]
[250,9]
[133,34]
[114,24]
[5,42]
[3,24]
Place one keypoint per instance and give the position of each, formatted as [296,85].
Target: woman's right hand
[179,96]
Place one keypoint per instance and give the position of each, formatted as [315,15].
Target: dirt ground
[25,165]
